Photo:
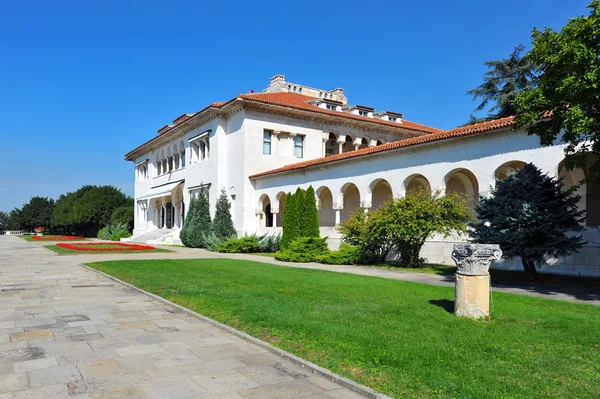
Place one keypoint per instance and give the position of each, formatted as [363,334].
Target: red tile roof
[299,101]
[441,135]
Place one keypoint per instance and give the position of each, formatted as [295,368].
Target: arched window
[268,216]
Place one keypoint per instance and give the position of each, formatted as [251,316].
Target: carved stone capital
[475,259]
[338,207]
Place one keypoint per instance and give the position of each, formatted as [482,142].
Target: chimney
[277,78]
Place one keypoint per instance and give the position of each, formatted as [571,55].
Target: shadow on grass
[445,304]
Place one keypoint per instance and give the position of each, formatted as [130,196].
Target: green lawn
[65,251]
[397,337]
[47,237]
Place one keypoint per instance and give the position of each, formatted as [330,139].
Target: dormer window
[330,106]
[363,113]
[393,119]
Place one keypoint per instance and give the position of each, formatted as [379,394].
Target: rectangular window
[298,146]
[392,119]
[267,142]
[363,113]
[331,107]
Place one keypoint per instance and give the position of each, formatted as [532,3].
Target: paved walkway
[563,294]
[68,332]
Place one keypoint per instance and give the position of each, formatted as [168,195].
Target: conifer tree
[310,214]
[300,220]
[197,221]
[223,225]
[528,214]
[289,221]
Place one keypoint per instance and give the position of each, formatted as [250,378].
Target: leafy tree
[14,220]
[568,86]
[366,233]
[124,214]
[405,223]
[290,221]
[3,217]
[63,217]
[94,208]
[223,225]
[528,214]
[37,213]
[504,80]
[310,215]
[197,222]
[412,219]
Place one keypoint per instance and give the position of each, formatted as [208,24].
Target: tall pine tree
[223,225]
[310,214]
[528,214]
[197,221]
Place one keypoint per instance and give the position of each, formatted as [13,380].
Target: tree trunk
[529,267]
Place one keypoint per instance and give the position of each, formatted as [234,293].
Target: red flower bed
[56,238]
[102,246]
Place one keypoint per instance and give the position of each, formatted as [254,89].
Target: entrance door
[170,214]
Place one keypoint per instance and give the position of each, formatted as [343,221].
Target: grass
[66,251]
[397,337]
[47,237]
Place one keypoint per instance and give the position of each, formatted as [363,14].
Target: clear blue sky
[83,82]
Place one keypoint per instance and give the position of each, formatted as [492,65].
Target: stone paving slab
[68,332]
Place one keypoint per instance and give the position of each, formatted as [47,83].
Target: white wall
[482,155]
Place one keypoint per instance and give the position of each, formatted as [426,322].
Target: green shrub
[346,255]
[270,243]
[107,232]
[120,234]
[103,234]
[242,245]
[210,241]
[304,249]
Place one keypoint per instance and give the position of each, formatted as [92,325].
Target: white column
[338,214]
[274,141]
[340,141]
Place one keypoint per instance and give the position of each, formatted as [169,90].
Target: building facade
[259,146]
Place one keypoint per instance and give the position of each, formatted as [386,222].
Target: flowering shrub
[56,238]
[105,246]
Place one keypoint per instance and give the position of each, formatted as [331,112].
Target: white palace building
[259,146]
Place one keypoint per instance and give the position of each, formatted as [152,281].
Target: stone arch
[264,204]
[381,191]
[364,143]
[463,182]
[380,142]
[507,168]
[281,196]
[416,181]
[348,144]
[325,206]
[589,190]
[331,146]
[349,200]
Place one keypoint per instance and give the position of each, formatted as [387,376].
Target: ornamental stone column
[472,291]
[338,213]
[340,142]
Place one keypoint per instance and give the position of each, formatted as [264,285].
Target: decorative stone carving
[475,259]
[472,290]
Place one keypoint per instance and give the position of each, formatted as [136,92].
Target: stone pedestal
[472,297]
